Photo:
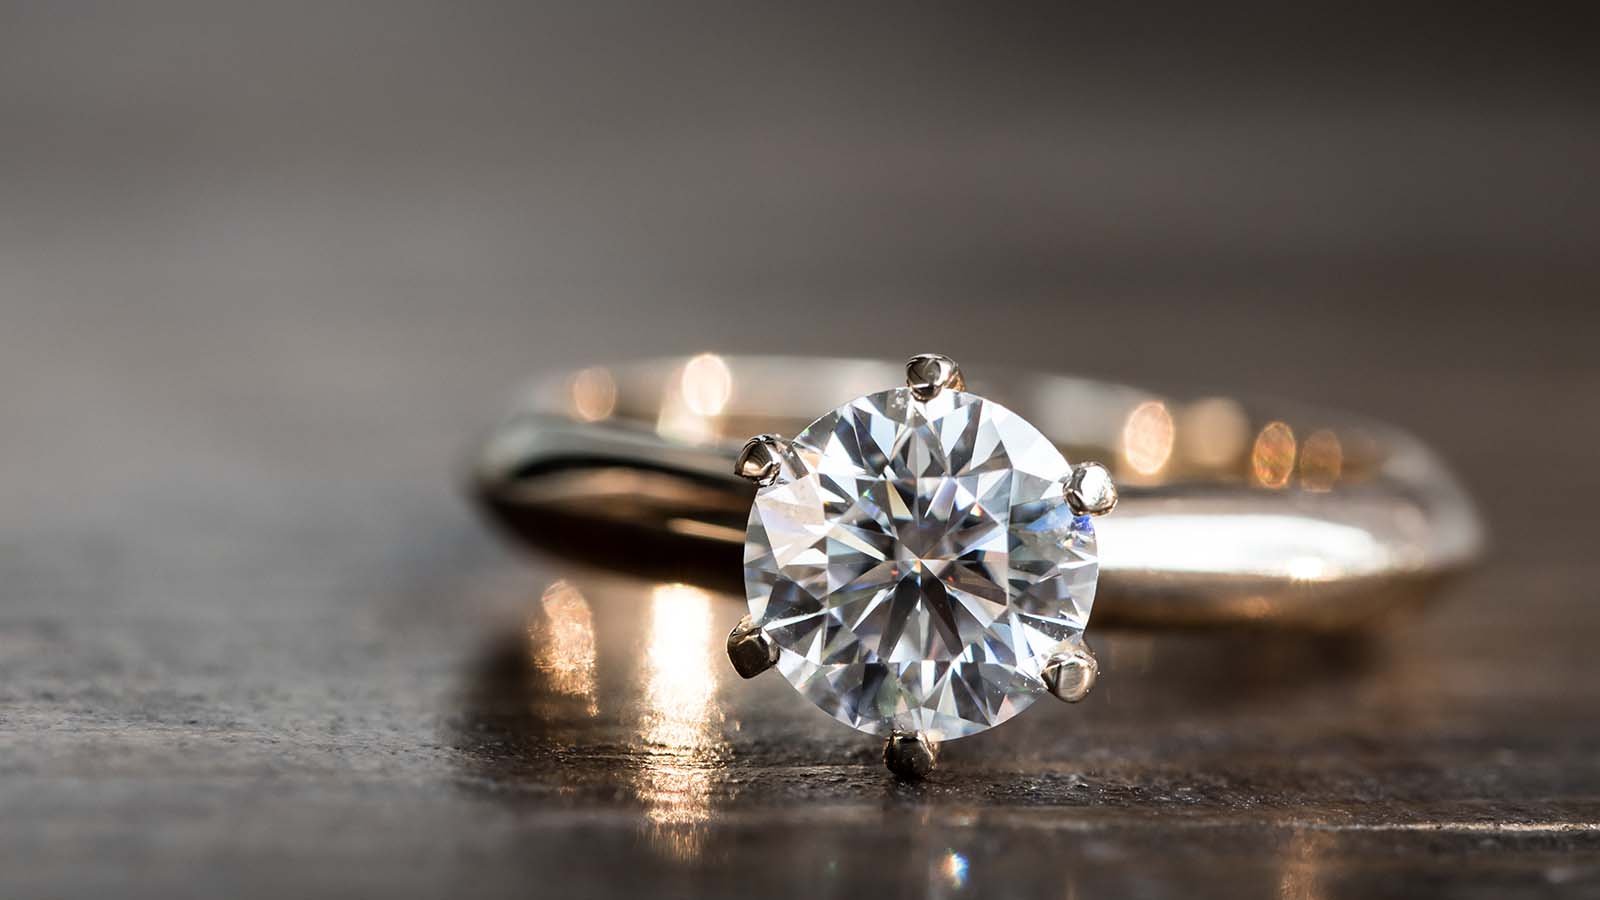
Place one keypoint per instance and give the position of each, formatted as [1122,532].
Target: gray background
[264,269]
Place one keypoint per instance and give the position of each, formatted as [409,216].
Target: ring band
[1232,512]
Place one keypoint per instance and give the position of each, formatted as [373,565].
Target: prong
[759,461]
[750,649]
[929,373]
[910,756]
[1089,489]
[1070,673]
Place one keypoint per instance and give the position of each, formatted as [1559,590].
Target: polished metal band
[1231,513]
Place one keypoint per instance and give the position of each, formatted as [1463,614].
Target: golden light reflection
[1301,876]
[680,680]
[594,394]
[1147,437]
[1321,461]
[681,722]
[706,384]
[692,402]
[1213,432]
[561,635]
[1308,568]
[1272,456]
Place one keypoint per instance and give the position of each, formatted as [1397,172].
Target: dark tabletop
[266,269]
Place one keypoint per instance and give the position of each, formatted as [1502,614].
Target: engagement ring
[921,562]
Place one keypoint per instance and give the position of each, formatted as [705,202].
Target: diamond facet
[916,563]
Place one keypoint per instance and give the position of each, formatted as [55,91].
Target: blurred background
[266,269]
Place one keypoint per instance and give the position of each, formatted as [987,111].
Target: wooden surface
[264,272]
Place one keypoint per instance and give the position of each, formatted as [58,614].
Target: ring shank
[1231,513]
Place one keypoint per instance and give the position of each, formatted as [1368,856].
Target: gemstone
[917,564]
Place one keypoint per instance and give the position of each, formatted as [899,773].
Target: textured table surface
[264,272]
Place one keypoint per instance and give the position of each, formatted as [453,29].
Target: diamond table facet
[916,563]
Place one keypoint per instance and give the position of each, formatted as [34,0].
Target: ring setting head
[920,563]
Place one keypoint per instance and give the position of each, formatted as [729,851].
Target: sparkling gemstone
[917,564]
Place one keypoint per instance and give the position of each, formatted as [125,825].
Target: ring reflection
[681,722]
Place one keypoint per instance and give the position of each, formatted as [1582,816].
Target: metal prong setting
[910,756]
[1090,490]
[1070,674]
[759,460]
[929,373]
[750,649]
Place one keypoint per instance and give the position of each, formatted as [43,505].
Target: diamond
[916,563]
